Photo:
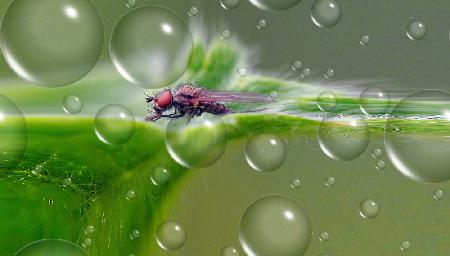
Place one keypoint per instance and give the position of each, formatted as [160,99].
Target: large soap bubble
[151,46]
[53,42]
[13,134]
[196,142]
[417,136]
[47,247]
[274,5]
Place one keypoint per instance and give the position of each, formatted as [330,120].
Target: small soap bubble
[261,24]
[438,194]
[130,195]
[324,236]
[225,34]
[193,11]
[296,183]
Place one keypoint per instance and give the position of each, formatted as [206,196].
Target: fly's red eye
[164,100]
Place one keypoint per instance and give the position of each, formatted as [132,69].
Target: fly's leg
[199,111]
[174,115]
[153,117]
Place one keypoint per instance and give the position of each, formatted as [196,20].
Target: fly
[192,100]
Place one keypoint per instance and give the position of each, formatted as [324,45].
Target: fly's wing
[234,97]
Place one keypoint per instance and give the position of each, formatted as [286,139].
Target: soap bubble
[225,34]
[326,13]
[114,124]
[275,226]
[193,11]
[198,142]
[369,208]
[438,194]
[420,148]
[265,152]
[230,4]
[324,236]
[405,245]
[274,5]
[229,251]
[72,104]
[364,40]
[326,101]
[343,137]
[373,101]
[48,247]
[53,43]
[262,23]
[13,134]
[416,30]
[160,176]
[170,235]
[151,46]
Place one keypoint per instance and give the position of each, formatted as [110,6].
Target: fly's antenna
[148,98]
[146,95]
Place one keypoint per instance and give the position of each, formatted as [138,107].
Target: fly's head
[162,101]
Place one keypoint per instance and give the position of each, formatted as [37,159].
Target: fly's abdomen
[217,109]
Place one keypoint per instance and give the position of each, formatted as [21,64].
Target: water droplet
[324,236]
[326,13]
[66,38]
[374,101]
[330,181]
[56,246]
[430,138]
[193,11]
[416,30]
[438,194]
[130,3]
[261,24]
[225,34]
[160,176]
[297,65]
[275,226]
[230,4]
[343,137]
[380,164]
[114,124]
[89,229]
[130,195]
[72,104]
[405,245]
[151,46]
[274,5]
[13,134]
[170,236]
[327,101]
[198,142]
[296,183]
[364,40]
[369,208]
[265,152]
[135,234]
[376,152]
[329,73]
[229,251]
[87,242]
